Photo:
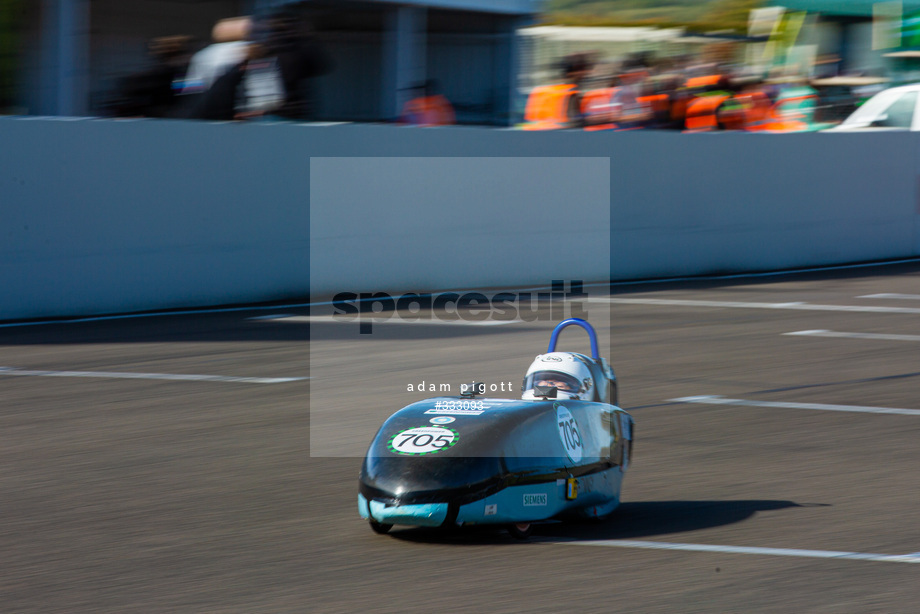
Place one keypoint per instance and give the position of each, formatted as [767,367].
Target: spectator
[630,107]
[152,92]
[230,38]
[576,69]
[300,58]
[265,76]
[248,90]
[428,107]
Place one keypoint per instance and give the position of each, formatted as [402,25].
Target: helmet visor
[562,381]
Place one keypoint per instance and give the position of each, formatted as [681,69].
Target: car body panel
[497,461]
[893,109]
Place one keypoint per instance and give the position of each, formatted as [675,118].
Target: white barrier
[102,216]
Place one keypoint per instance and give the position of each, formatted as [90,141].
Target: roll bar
[577,322]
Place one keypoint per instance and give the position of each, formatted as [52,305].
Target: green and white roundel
[423,440]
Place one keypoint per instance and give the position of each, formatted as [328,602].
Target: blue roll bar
[578,322]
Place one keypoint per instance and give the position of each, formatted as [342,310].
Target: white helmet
[566,371]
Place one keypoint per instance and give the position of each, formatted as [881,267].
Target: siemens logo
[530,500]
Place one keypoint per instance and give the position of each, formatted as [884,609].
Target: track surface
[164,495]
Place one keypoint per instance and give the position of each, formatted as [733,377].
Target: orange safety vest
[785,120]
[757,109]
[547,107]
[733,114]
[704,81]
[660,104]
[679,106]
[749,111]
[428,111]
[657,102]
[701,113]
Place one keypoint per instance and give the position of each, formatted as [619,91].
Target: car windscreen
[875,107]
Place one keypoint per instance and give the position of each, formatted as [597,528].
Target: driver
[565,371]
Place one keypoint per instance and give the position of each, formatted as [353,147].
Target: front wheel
[520,530]
[379,527]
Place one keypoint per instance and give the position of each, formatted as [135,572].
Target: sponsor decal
[569,434]
[535,499]
[548,358]
[463,404]
[458,408]
[571,489]
[423,440]
[442,420]
[491,509]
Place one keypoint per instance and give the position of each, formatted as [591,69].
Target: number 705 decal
[423,440]
[569,434]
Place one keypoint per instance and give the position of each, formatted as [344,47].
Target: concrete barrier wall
[101,216]
[746,202]
[422,223]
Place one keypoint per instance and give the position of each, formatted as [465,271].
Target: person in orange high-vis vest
[558,106]
[547,107]
[702,112]
[428,107]
[693,90]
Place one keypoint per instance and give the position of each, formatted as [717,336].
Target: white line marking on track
[820,554]
[743,305]
[719,400]
[909,297]
[832,333]
[274,316]
[386,320]
[153,376]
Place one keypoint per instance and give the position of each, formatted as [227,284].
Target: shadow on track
[630,521]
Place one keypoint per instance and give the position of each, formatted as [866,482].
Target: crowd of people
[667,94]
[264,68]
[253,68]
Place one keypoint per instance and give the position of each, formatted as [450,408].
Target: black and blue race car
[559,452]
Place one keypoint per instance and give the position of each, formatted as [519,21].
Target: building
[859,34]
[73,51]
[542,47]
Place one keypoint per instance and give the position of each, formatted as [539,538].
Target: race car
[558,452]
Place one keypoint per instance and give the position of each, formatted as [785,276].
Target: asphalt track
[153,493]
